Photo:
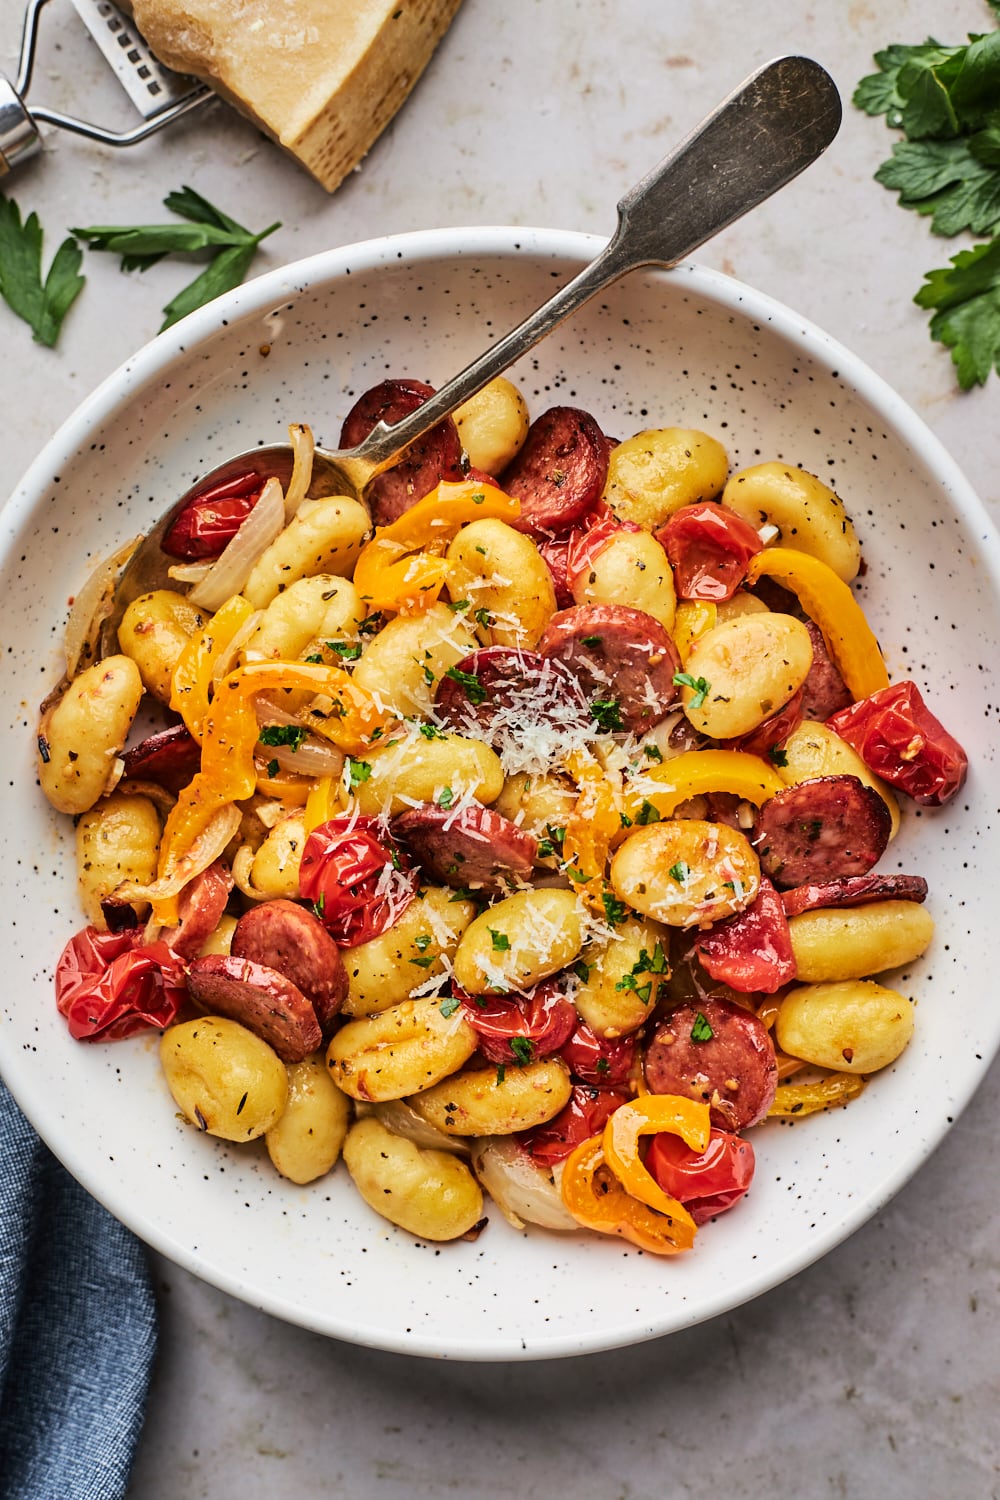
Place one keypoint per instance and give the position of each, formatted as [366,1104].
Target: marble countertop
[877,1369]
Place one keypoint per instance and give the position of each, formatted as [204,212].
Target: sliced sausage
[501,691]
[261,999]
[171,757]
[559,473]
[201,904]
[854,890]
[822,829]
[435,456]
[474,846]
[285,936]
[623,659]
[554,551]
[824,691]
[719,1054]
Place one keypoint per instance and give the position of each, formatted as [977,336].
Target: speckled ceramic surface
[689,348]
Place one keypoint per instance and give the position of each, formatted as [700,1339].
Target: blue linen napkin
[77,1330]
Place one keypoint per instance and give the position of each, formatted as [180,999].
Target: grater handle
[19,137]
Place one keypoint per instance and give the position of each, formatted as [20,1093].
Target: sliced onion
[303,447]
[402,1119]
[192,572]
[231,569]
[91,607]
[228,659]
[204,851]
[523,1191]
[314,757]
[241,867]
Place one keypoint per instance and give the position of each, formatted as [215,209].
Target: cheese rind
[323,78]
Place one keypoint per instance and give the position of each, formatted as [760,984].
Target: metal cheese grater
[160,95]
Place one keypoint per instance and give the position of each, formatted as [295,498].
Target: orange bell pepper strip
[828,601]
[662,788]
[597,1200]
[228,773]
[592,824]
[195,669]
[401,570]
[653,1114]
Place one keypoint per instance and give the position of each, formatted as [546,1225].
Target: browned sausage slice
[527,707]
[824,691]
[854,890]
[719,1054]
[624,660]
[474,847]
[435,456]
[260,998]
[285,936]
[560,472]
[201,905]
[822,829]
[170,757]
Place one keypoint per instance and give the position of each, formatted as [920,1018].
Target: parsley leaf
[474,690]
[698,686]
[523,1049]
[701,1031]
[141,245]
[449,1006]
[500,940]
[42,304]
[607,714]
[614,910]
[967,319]
[358,771]
[290,735]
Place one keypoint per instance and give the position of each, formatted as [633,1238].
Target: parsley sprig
[944,100]
[42,303]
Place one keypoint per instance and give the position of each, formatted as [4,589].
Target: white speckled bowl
[690,348]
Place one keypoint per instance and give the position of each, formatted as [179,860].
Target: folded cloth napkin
[77,1330]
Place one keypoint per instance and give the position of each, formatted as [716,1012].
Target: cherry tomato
[212,518]
[584,1116]
[706,1182]
[603,1062]
[343,874]
[519,1030]
[110,985]
[899,739]
[751,952]
[709,549]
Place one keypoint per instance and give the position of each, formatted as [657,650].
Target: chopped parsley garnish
[501,1073]
[422,941]
[701,1031]
[602,1065]
[641,991]
[680,871]
[523,1049]
[607,714]
[289,735]
[552,842]
[500,940]
[655,965]
[625,820]
[319,906]
[582,969]
[449,1006]
[483,618]
[698,686]
[273,768]
[455,605]
[777,756]
[358,771]
[431,732]
[614,910]
[424,961]
[474,690]
[346,650]
[316,659]
[647,814]
[446,798]
[652,752]
[592,640]
[429,677]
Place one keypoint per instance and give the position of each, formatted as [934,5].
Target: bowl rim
[312,274]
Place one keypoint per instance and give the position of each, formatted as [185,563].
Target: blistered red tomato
[603,1062]
[520,1029]
[211,519]
[359,884]
[584,1116]
[899,739]
[708,549]
[110,985]
[706,1182]
[751,952]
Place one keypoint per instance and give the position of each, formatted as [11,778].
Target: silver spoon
[766,132]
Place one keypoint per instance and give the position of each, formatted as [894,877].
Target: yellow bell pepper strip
[692,619]
[592,824]
[401,570]
[597,1200]
[195,669]
[228,773]
[661,789]
[654,1114]
[324,802]
[828,601]
[794,1099]
[295,790]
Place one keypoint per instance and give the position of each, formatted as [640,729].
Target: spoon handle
[773,126]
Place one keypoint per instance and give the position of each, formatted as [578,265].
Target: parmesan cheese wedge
[323,78]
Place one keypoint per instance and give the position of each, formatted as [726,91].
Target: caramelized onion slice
[523,1191]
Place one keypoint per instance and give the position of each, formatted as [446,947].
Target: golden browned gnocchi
[224,1078]
[306,1140]
[430,1193]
